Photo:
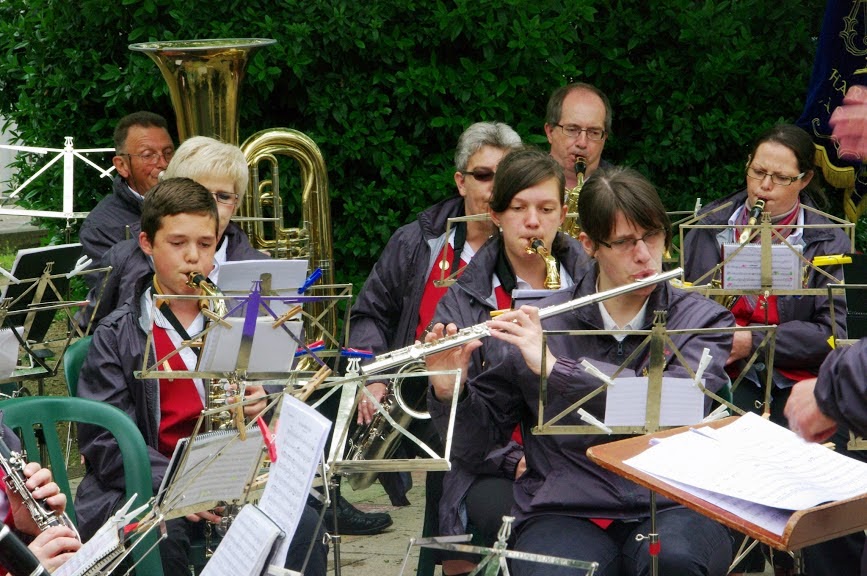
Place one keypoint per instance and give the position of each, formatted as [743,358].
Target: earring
[501,229]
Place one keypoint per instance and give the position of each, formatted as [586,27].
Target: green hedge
[386,86]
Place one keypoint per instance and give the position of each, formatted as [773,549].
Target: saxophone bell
[378,440]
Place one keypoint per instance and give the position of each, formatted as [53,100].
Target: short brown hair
[522,169]
[143,119]
[554,111]
[624,190]
[176,196]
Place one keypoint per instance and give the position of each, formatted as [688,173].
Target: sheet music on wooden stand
[649,402]
[795,462]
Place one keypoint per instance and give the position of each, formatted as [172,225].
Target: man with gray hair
[399,297]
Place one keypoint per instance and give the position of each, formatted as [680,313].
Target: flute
[402,356]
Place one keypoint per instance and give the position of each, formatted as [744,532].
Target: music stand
[804,527]
[657,340]
[448,276]
[496,556]
[765,230]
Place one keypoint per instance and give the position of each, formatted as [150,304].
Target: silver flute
[402,356]
[13,464]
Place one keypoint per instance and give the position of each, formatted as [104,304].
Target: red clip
[654,548]
[269,438]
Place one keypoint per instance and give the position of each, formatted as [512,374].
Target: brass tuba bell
[204,78]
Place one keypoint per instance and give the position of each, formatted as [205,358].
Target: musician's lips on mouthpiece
[645,274]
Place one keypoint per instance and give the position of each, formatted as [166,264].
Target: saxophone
[219,390]
[13,464]
[552,270]
[217,394]
[378,440]
[571,226]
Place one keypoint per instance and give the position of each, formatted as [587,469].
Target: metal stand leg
[654,544]
[335,537]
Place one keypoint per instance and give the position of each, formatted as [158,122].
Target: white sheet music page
[103,546]
[246,546]
[218,468]
[682,402]
[301,434]
[756,460]
[744,270]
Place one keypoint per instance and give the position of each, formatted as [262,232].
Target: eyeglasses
[482,174]
[229,198]
[150,157]
[573,131]
[651,238]
[777,179]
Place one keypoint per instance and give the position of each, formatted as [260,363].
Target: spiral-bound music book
[208,469]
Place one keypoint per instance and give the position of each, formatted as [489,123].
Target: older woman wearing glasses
[779,171]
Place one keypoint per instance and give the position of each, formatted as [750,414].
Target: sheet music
[744,270]
[682,402]
[301,435]
[286,277]
[246,546]
[9,347]
[217,469]
[102,547]
[773,520]
[756,460]
[272,351]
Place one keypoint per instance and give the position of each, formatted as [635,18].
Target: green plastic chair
[73,360]
[42,413]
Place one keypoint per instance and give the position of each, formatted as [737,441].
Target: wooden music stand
[804,528]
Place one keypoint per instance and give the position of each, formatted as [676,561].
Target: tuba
[204,78]
[571,225]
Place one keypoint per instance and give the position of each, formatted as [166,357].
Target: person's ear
[588,244]
[145,244]
[120,164]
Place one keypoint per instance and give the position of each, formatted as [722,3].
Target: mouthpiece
[580,165]
[161,176]
[755,214]
[534,246]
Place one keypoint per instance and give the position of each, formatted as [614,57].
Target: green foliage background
[385,87]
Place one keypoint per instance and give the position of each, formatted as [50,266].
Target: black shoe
[353,522]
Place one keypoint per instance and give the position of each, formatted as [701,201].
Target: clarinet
[17,557]
[402,356]
[13,475]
